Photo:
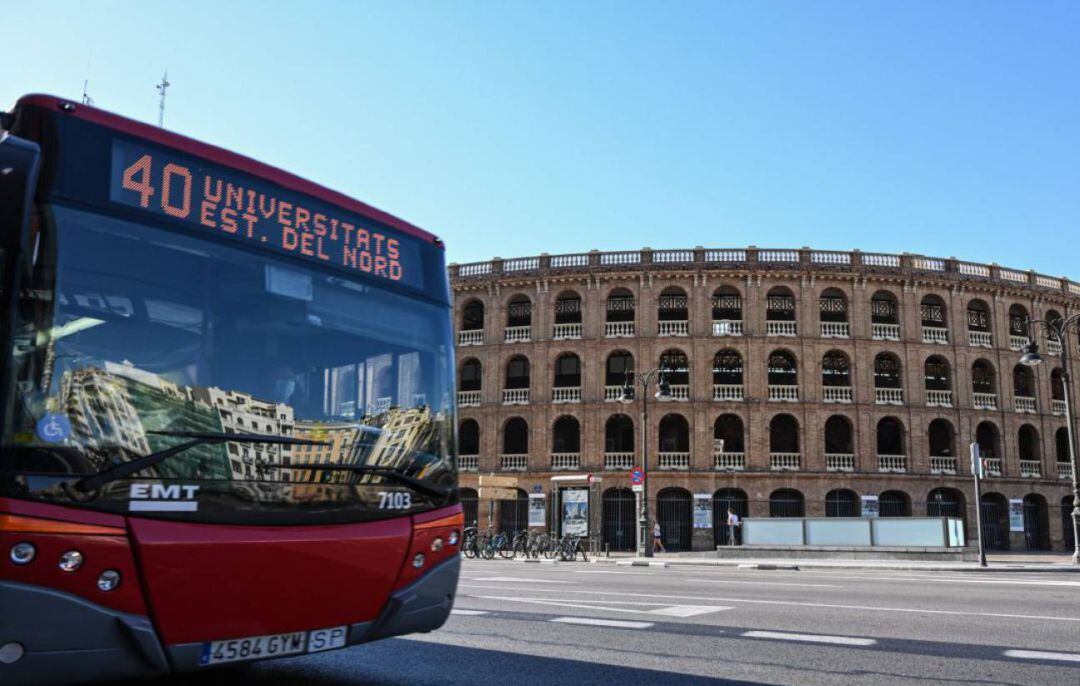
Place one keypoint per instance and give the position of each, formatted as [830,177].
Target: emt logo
[162,498]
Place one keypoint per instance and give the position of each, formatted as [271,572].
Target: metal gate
[619,519]
[514,514]
[1036,524]
[995,518]
[1067,523]
[674,512]
[470,504]
[842,503]
[722,501]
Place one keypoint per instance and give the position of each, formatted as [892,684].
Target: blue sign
[637,476]
[53,427]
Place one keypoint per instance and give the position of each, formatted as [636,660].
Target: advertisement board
[575,511]
[1016,515]
[537,509]
[702,511]
[870,506]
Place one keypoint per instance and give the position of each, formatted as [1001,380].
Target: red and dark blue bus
[227,407]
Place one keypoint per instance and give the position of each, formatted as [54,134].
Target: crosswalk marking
[1043,655]
[591,621]
[664,609]
[810,638]
[468,613]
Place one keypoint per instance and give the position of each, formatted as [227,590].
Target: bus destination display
[217,200]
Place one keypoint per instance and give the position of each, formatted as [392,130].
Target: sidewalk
[1003,562]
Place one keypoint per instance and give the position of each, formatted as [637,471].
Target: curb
[791,568]
[528,560]
[817,566]
[640,563]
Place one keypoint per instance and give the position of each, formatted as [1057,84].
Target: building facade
[802,383]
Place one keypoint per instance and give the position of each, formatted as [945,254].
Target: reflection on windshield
[128,330]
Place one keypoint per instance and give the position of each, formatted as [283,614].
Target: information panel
[219,200]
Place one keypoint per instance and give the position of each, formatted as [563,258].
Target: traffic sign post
[977,472]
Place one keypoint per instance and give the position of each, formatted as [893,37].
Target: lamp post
[663,392]
[1058,330]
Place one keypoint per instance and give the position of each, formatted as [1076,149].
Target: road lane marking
[1043,655]
[871,608]
[810,638]
[688,610]
[468,613]
[663,609]
[518,578]
[589,621]
[929,576]
[763,583]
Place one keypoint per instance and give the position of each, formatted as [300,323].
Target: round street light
[1031,355]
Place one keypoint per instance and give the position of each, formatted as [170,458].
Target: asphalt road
[600,624]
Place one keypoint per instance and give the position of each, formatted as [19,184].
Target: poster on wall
[702,511]
[870,506]
[1016,515]
[537,509]
[575,511]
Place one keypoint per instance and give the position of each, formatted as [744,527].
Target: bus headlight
[71,561]
[108,580]
[22,553]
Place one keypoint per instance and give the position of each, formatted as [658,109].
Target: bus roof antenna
[161,88]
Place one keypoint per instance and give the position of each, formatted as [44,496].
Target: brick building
[801,381]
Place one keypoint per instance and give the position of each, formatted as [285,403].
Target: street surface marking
[468,613]
[763,583]
[517,578]
[811,638]
[958,613]
[943,579]
[662,609]
[688,610]
[604,571]
[1042,655]
[588,621]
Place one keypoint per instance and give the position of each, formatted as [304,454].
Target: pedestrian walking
[733,526]
[657,539]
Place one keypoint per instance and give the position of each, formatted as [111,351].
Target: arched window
[1057,386]
[619,518]
[674,514]
[883,309]
[617,371]
[567,371]
[726,309]
[472,374]
[995,516]
[673,305]
[620,306]
[838,436]
[932,311]
[514,513]
[677,367]
[566,436]
[890,437]
[470,503]
[940,437]
[887,371]
[780,305]
[723,501]
[728,368]
[894,504]
[835,370]
[782,370]
[516,437]
[787,502]
[517,372]
[833,306]
[519,311]
[1018,321]
[1052,315]
[1061,446]
[568,308]
[978,316]
[842,502]
[936,372]
[472,316]
[619,434]
[986,435]
[982,377]
[469,438]
[728,434]
[674,434]
[1023,382]
[946,502]
[1036,522]
[1027,441]
[783,434]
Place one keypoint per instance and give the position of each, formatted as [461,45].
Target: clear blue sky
[512,128]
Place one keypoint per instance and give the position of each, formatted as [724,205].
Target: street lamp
[663,392]
[1057,330]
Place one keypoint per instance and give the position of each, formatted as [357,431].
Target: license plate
[272,645]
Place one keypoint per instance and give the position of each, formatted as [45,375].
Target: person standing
[657,539]
[733,526]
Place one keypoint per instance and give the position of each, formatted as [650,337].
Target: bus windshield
[129,338]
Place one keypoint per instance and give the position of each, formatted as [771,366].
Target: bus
[228,417]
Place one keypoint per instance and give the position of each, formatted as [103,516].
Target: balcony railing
[680,391]
[565,461]
[468,398]
[836,394]
[835,330]
[781,329]
[935,334]
[618,461]
[784,461]
[943,465]
[980,339]
[468,463]
[727,327]
[567,331]
[992,466]
[566,395]
[673,461]
[896,464]
[785,394]
[732,392]
[938,398]
[474,337]
[518,334]
[733,462]
[612,394]
[1053,347]
[618,329]
[514,463]
[1058,407]
[1018,342]
[515,396]
[1025,404]
[678,328]
[839,462]
[984,401]
[1030,469]
[1064,470]
[889,396]
[885,332]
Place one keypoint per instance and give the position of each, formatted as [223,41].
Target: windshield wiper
[94,481]
[389,472]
